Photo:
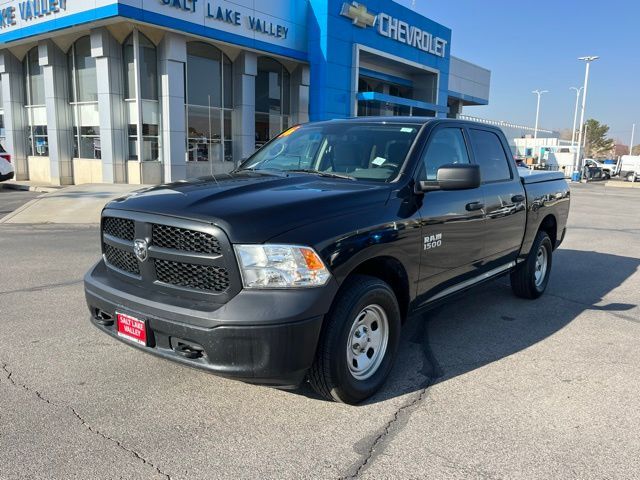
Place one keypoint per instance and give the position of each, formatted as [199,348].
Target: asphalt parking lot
[488,386]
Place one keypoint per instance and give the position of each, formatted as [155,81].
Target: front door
[452,221]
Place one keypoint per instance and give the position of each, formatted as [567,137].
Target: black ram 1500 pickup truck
[305,261]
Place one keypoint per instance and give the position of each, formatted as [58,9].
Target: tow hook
[188,351]
[103,318]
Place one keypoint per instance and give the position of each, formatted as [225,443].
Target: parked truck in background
[608,169]
[629,167]
[307,260]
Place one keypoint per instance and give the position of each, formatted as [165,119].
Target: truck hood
[253,207]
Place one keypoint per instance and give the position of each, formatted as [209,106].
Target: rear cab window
[490,156]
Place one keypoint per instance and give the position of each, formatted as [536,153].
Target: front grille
[121,259]
[197,277]
[185,240]
[119,227]
[192,257]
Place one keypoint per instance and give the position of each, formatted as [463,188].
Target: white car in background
[6,168]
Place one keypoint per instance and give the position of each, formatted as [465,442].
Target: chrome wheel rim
[542,260]
[367,342]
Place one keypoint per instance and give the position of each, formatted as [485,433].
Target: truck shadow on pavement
[489,323]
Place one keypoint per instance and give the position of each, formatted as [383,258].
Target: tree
[619,149]
[597,143]
[636,150]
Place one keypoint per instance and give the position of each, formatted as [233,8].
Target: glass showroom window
[143,108]
[209,104]
[273,98]
[374,108]
[37,134]
[83,94]
[368,108]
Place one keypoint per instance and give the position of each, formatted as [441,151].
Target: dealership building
[150,91]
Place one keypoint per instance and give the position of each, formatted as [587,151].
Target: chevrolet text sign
[395,29]
[413,36]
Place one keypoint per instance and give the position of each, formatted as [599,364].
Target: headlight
[280,266]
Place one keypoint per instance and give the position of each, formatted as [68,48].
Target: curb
[623,184]
[18,210]
[29,188]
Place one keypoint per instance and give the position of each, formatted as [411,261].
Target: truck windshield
[361,151]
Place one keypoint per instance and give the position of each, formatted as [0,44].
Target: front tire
[359,341]
[631,177]
[530,278]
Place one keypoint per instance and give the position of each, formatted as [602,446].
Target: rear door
[452,221]
[504,197]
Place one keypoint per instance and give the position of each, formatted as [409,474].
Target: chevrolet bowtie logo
[359,14]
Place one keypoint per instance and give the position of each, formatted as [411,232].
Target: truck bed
[537,176]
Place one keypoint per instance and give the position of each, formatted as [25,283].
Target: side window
[489,154]
[446,146]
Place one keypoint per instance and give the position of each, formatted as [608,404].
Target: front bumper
[265,337]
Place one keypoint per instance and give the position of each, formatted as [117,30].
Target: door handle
[474,206]
[518,198]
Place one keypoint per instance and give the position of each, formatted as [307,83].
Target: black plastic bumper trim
[275,355]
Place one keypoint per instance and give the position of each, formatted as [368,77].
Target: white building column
[245,70]
[172,57]
[14,117]
[300,80]
[109,67]
[56,91]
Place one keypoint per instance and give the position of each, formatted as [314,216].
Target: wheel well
[550,226]
[391,271]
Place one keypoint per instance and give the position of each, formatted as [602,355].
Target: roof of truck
[405,120]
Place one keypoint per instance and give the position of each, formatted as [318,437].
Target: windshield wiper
[321,173]
[266,171]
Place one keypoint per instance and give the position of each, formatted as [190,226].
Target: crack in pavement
[433,371]
[393,426]
[39,288]
[95,431]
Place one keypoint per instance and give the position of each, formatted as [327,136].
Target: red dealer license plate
[132,328]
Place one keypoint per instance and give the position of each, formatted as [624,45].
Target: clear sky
[535,44]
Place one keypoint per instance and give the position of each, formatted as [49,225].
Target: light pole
[575,114]
[588,61]
[633,133]
[539,93]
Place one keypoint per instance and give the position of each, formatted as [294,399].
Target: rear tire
[359,341]
[530,278]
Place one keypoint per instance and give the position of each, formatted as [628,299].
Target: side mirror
[454,177]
